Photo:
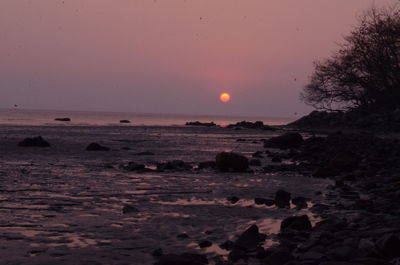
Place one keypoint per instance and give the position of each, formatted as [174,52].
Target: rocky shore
[129,197]
[361,226]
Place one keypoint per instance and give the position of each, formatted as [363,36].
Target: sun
[225,97]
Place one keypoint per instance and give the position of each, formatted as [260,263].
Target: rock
[255,162]
[343,253]
[182,236]
[96,147]
[205,244]
[127,209]
[343,161]
[197,123]
[144,154]
[287,140]
[233,199]
[157,252]
[258,154]
[174,165]
[132,166]
[207,164]
[300,202]
[62,119]
[389,245]
[282,199]
[182,259]
[276,159]
[251,125]
[279,257]
[236,255]
[227,245]
[296,223]
[267,202]
[228,161]
[250,239]
[259,201]
[34,142]
[124,121]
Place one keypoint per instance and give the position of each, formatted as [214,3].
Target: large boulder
[228,161]
[182,259]
[282,199]
[34,142]
[249,240]
[296,223]
[97,147]
[287,140]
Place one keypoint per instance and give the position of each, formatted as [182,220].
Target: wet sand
[63,204]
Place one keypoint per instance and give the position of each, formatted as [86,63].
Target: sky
[168,56]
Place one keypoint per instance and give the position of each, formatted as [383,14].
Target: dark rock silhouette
[182,236]
[287,140]
[228,161]
[34,142]
[207,164]
[174,165]
[279,257]
[296,223]
[97,147]
[197,123]
[257,154]
[300,202]
[205,244]
[389,245]
[233,199]
[249,240]
[127,209]
[251,125]
[282,199]
[255,162]
[132,166]
[62,119]
[237,254]
[125,121]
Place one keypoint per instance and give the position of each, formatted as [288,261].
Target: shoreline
[67,161]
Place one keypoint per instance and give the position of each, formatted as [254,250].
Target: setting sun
[225,97]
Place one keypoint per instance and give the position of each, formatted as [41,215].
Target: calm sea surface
[46,117]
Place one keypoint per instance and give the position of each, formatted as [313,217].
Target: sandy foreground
[63,205]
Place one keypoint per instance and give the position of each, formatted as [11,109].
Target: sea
[96,118]
[65,205]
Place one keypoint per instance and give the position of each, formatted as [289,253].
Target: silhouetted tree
[365,71]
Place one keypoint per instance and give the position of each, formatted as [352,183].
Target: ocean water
[63,204]
[91,118]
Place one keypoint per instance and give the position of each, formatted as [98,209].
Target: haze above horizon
[168,56]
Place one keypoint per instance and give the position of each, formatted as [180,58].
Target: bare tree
[365,71]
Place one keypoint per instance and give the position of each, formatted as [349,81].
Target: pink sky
[167,56]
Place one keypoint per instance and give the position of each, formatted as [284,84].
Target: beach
[63,203]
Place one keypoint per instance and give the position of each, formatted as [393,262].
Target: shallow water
[63,204]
